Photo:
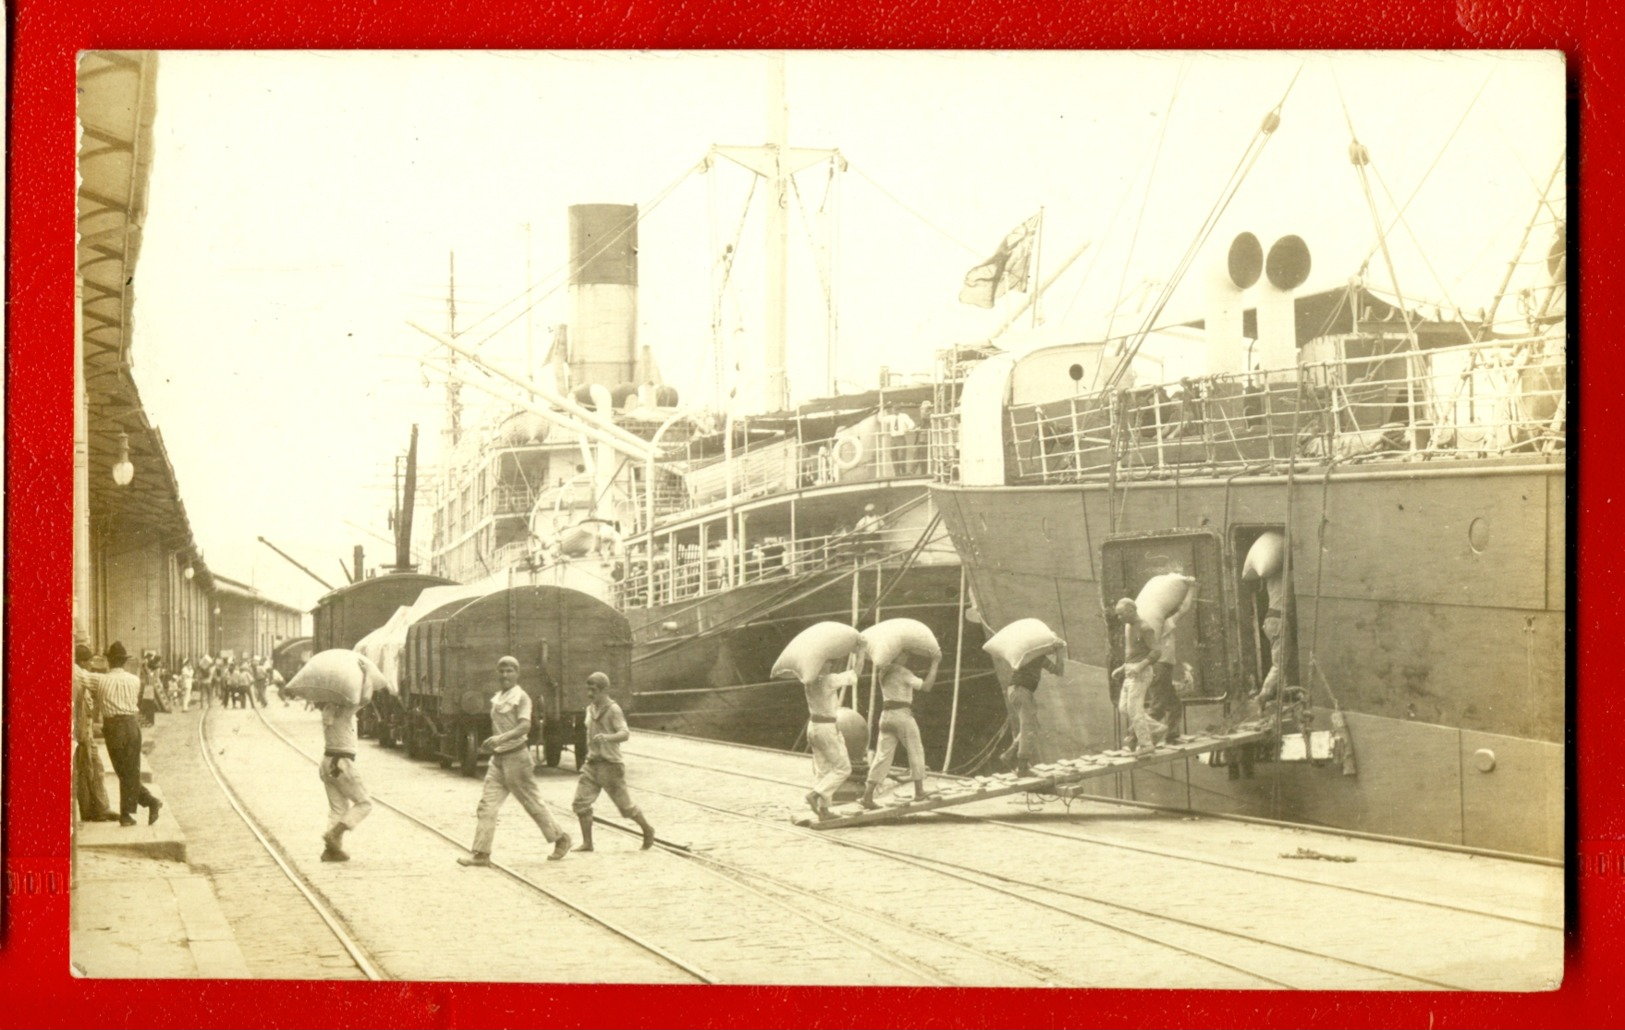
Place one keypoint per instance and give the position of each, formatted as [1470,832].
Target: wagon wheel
[471,751]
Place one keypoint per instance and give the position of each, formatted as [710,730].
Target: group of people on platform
[107,694]
[510,770]
[117,694]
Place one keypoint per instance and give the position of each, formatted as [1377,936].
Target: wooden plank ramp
[1046,778]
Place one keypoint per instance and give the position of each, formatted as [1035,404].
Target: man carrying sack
[897,725]
[347,800]
[831,764]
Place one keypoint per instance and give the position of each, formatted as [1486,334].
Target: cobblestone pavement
[278,932]
[1222,873]
[1088,901]
[738,930]
[418,914]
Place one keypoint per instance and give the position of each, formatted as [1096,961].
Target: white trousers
[831,765]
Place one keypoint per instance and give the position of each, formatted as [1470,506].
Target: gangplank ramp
[1047,778]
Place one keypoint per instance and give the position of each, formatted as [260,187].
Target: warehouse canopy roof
[117,103]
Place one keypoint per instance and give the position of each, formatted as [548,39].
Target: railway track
[345,930]
[1342,947]
[1165,853]
[769,899]
[335,922]
[963,900]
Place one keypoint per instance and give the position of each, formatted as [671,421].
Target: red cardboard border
[45,35]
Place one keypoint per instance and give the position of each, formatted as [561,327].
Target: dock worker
[1021,706]
[1162,700]
[347,800]
[897,725]
[118,695]
[1140,657]
[604,771]
[509,771]
[831,764]
[1275,632]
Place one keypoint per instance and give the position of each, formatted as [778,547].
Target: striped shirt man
[118,693]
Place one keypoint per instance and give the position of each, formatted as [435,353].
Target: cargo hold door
[1204,637]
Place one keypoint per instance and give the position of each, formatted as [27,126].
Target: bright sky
[303,207]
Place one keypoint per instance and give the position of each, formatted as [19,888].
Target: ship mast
[776,162]
[776,325]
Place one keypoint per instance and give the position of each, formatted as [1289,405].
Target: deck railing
[694,574]
[1388,402]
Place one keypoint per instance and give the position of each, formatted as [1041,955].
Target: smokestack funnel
[603,293]
[1226,281]
[1286,267]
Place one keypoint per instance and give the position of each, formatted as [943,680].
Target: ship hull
[1431,603]
[701,666]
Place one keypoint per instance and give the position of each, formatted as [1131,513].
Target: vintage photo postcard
[980,519]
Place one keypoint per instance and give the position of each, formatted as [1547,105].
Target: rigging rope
[1400,212]
[1360,157]
[1244,165]
[1400,219]
[1128,188]
[812,242]
[928,222]
[717,363]
[1156,156]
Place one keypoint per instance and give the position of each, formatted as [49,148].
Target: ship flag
[1008,268]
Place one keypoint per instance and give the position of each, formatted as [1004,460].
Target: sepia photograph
[1022,519]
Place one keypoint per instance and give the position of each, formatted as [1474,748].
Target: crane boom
[296,564]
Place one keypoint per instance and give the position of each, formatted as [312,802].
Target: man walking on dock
[831,764]
[347,800]
[510,769]
[604,771]
[897,724]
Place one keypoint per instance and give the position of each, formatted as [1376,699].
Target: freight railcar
[448,669]
[343,617]
[291,655]
[351,612]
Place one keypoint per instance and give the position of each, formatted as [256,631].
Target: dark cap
[116,655]
[82,654]
[598,680]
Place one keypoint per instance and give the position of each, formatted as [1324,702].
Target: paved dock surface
[1020,891]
